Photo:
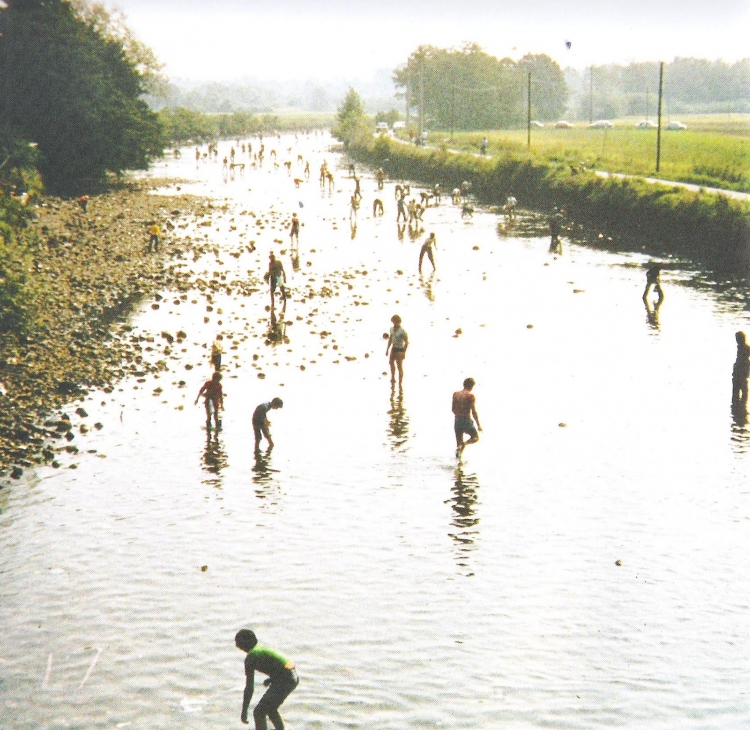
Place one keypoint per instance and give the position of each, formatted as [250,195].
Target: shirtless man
[294,230]
[464,407]
[214,400]
[426,250]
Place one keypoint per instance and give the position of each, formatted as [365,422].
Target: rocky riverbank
[87,270]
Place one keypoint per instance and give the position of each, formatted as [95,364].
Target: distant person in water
[653,280]
[357,188]
[464,407]
[276,277]
[261,423]
[294,230]
[217,350]
[214,400]
[282,680]
[741,370]
[398,342]
[555,227]
[426,250]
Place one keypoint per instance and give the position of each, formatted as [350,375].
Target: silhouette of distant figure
[426,250]
[653,280]
[555,226]
[741,370]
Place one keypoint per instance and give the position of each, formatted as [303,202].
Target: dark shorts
[464,426]
[397,355]
[280,688]
[260,429]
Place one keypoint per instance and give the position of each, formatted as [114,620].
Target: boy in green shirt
[282,680]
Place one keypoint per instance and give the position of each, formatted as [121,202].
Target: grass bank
[711,152]
[707,227]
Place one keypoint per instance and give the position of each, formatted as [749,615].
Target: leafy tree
[67,84]
[353,126]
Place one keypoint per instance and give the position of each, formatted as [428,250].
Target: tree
[353,126]
[549,92]
[67,84]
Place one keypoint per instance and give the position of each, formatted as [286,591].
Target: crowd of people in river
[282,676]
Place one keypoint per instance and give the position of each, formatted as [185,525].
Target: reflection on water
[427,285]
[652,313]
[398,426]
[464,519]
[263,476]
[276,333]
[214,459]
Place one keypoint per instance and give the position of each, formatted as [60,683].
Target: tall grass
[710,158]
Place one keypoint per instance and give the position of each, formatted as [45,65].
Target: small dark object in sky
[301,204]
[568,44]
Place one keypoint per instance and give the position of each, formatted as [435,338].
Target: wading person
[741,370]
[426,250]
[276,277]
[261,424]
[214,400]
[653,280]
[294,231]
[217,350]
[282,680]
[464,407]
[398,341]
[555,226]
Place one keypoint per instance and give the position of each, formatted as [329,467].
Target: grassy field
[714,151]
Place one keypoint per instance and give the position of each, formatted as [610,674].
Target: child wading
[282,680]
[214,400]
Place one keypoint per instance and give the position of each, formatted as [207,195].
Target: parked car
[646,124]
[562,124]
[676,125]
[601,124]
[399,125]
[537,124]
[382,127]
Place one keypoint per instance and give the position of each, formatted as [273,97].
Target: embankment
[706,227]
[86,270]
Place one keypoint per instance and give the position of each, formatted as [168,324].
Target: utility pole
[528,112]
[421,100]
[658,126]
[591,94]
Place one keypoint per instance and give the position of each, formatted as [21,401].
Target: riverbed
[584,566]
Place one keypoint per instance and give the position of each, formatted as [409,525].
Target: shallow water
[410,591]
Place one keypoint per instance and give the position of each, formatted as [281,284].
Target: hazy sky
[224,40]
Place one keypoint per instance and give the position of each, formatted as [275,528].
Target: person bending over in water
[398,341]
[464,407]
[427,247]
[214,400]
[261,423]
[377,207]
[282,680]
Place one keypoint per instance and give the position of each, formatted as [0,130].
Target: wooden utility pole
[658,123]
[408,96]
[421,101]
[528,112]
[591,94]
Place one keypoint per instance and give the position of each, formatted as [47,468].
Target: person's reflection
[276,334]
[740,377]
[400,230]
[295,259]
[652,313]
[263,478]
[354,229]
[214,459]
[398,427]
[463,502]
[427,285]
[415,232]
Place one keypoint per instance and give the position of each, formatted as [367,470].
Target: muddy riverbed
[584,567]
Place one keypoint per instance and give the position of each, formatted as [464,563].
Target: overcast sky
[224,40]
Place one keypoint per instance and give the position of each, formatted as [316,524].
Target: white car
[601,124]
[382,127]
[676,125]
[646,124]
[562,124]
[399,125]
[537,124]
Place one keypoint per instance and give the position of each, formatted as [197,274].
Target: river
[585,566]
